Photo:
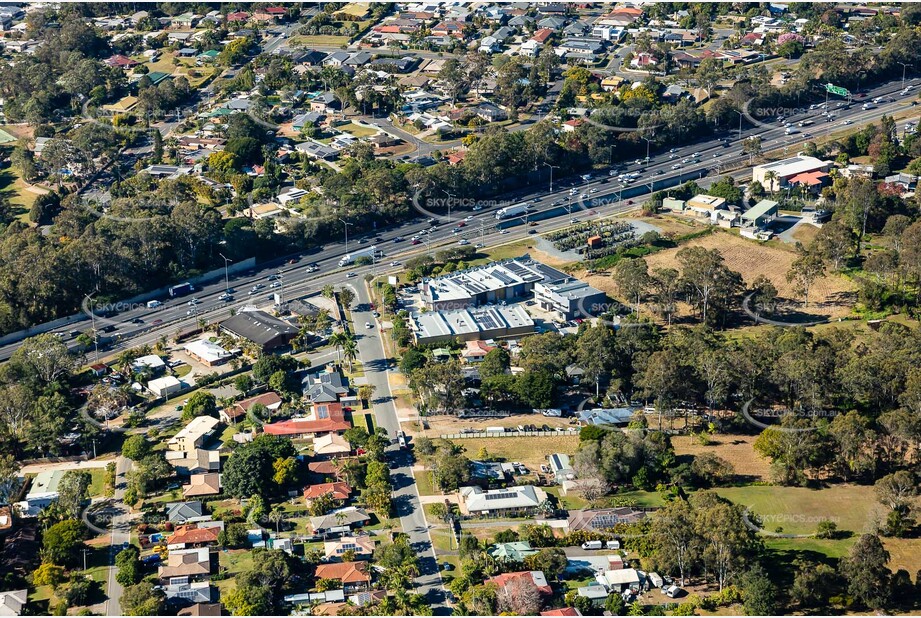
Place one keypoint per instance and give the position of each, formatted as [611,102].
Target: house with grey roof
[324,387]
[184,512]
[518,500]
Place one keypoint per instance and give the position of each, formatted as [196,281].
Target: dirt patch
[738,450]
[530,451]
[666,223]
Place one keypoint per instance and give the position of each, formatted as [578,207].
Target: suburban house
[323,418]
[203,485]
[760,214]
[516,551]
[618,580]
[184,512]
[196,461]
[535,577]
[340,520]
[43,492]
[324,387]
[605,416]
[194,435]
[338,491]
[354,576]
[476,351]
[237,411]
[562,611]
[200,608]
[331,445]
[521,499]
[361,545]
[192,536]
[186,565]
[207,352]
[258,327]
[197,593]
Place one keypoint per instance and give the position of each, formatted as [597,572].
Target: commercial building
[490,322]
[165,386]
[776,175]
[570,298]
[493,283]
[260,328]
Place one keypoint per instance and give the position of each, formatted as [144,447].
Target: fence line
[569,431]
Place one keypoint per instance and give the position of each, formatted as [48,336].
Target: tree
[897,492]
[48,574]
[726,542]
[62,542]
[496,362]
[865,571]
[43,359]
[707,279]
[201,403]
[519,596]
[804,270]
[632,280]
[128,563]
[551,560]
[759,593]
[812,584]
[9,478]
[73,491]
[248,472]
[674,538]
[142,600]
[764,295]
[136,447]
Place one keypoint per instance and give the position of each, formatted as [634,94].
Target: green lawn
[21,199]
[797,510]
[570,501]
[638,498]
[357,130]
[97,482]
[424,483]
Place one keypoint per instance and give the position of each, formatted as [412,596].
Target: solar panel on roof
[502,496]
[501,276]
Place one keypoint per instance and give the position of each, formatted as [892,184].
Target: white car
[468,219]
[193,302]
[394,263]
[584,195]
[846,122]
[477,208]
[275,284]
[504,232]
[480,245]
[463,241]
[676,166]
[225,296]
[593,190]
[351,275]
[369,325]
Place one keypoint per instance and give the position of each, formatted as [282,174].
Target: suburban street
[405,493]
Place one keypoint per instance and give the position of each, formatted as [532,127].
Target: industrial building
[570,298]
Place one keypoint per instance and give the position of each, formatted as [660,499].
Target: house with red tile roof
[121,61]
[237,411]
[324,418]
[536,577]
[563,611]
[203,485]
[811,180]
[476,351]
[456,157]
[192,536]
[238,16]
[353,575]
[337,490]
[542,35]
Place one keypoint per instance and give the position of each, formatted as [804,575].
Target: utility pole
[226,273]
[450,199]
[740,125]
[904,66]
[89,299]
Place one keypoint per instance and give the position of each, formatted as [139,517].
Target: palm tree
[338,339]
[770,176]
[276,516]
[125,361]
[350,350]
[328,291]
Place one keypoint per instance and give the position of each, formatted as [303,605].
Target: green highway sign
[837,90]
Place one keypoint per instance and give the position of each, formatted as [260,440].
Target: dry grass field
[738,450]
[831,296]
[530,451]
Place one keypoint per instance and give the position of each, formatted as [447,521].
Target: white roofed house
[12,602]
[207,352]
[521,499]
[194,435]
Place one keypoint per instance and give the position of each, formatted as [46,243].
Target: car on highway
[593,190]
[394,263]
[846,122]
[416,241]
[274,277]
[351,275]
[193,302]
[503,231]
[480,245]
[532,231]
[225,297]
[468,218]
[584,195]
[676,166]
[398,239]
[275,284]
[573,220]
[463,241]
[477,208]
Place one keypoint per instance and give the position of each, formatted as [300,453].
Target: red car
[417,242]
[461,224]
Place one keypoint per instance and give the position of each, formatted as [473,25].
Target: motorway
[141,325]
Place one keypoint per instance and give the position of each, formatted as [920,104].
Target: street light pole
[551,174]
[450,199]
[904,67]
[89,299]
[226,273]
[740,124]
[346,224]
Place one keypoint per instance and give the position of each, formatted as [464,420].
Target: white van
[153,304]
[592,545]
[615,544]
[672,591]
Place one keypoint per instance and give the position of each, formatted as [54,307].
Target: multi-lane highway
[141,325]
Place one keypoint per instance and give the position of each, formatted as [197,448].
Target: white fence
[569,431]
